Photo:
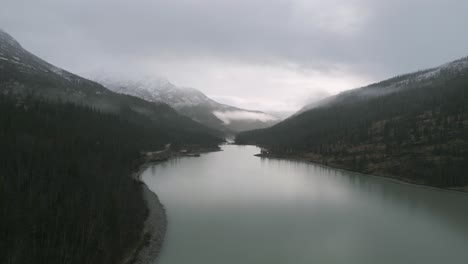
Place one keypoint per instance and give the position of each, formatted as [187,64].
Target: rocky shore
[147,249]
[154,230]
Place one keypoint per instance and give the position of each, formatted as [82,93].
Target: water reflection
[232,207]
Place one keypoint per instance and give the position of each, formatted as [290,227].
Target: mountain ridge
[191,102]
[392,84]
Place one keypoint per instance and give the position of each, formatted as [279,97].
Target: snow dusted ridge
[5,39]
[157,90]
[393,85]
[12,52]
[190,102]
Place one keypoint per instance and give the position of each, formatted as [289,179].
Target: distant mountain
[412,127]
[192,103]
[24,74]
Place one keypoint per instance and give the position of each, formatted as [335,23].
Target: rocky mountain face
[192,103]
[412,127]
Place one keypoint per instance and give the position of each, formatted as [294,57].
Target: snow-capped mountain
[156,90]
[408,81]
[190,102]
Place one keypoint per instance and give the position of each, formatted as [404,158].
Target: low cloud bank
[228,116]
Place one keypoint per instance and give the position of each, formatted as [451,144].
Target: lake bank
[462,189]
[230,207]
[154,228]
[155,225]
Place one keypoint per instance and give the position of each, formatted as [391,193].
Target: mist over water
[232,207]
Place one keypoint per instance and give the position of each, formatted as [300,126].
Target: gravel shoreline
[154,228]
[147,250]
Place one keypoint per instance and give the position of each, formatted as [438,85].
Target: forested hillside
[68,150]
[418,133]
[66,195]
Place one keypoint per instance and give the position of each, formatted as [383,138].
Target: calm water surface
[231,207]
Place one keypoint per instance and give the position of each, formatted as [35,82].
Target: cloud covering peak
[275,50]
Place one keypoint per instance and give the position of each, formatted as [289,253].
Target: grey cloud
[371,38]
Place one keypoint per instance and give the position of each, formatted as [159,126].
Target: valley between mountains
[70,147]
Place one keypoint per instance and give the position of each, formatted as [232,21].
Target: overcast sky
[258,54]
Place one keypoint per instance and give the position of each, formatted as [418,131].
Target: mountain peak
[7,40]
[190,102]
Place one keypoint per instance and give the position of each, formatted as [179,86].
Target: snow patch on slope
[155,89]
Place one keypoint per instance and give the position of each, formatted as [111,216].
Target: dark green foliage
[68,147]
[66,192]
[419,133]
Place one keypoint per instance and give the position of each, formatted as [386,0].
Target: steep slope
[413,127]
[23,73]
[69,148]
[192,103]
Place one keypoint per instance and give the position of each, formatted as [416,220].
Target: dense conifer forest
[66,192]
[419,133]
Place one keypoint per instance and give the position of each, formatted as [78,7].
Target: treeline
[66,195]
[419,133]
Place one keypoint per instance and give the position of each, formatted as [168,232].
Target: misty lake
[231,207]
